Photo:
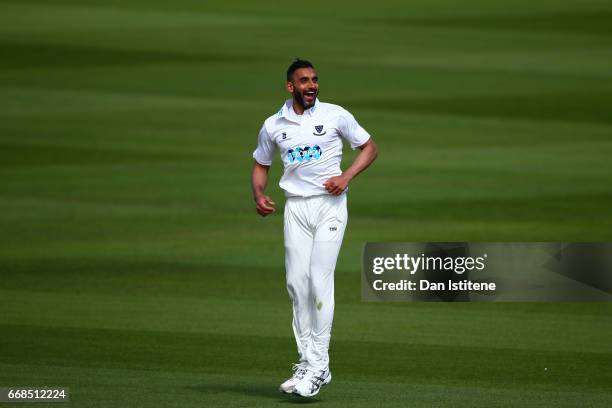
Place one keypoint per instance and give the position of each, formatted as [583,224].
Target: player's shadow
[254,390]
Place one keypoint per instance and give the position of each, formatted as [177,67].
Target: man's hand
[259,179]
[336,185]
[265,205]
[369,153]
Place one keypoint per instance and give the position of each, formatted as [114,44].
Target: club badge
[319,131]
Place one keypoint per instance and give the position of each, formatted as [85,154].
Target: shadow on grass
[255,390]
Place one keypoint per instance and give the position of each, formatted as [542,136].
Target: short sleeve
[264,153]
[351,131]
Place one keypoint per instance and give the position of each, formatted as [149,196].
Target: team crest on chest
[318,130]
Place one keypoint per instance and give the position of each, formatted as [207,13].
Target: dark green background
[133,266]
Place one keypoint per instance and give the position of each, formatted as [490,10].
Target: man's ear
[290,87]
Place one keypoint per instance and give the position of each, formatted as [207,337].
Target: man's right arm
[259,181]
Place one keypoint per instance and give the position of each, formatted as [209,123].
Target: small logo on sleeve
[318,130]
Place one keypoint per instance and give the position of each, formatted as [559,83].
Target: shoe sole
[325,382]
[287,391]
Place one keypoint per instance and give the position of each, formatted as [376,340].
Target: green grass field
[133,267]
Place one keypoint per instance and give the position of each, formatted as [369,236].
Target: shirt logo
[302,154]
[318,131]
[283,137]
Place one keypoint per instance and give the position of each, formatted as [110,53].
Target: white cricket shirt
[310,145]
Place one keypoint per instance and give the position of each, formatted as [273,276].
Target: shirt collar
[287,111]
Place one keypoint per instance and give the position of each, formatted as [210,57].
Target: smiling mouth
[310,94]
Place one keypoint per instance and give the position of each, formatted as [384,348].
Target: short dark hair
[297,64]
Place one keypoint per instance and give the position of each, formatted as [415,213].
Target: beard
[299,98]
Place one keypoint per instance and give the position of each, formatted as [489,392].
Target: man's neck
[298,108]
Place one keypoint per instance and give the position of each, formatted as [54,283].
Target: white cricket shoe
[311,384]
[289,385]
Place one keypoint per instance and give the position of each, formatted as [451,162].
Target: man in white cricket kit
[308,134]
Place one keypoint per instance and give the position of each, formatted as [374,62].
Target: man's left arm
[369,152]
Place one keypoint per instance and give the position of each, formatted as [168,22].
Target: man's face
[304,87]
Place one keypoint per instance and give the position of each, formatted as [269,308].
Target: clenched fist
[336,185]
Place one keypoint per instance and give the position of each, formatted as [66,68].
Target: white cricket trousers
[314,228]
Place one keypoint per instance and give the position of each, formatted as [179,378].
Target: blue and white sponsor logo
[302,154]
